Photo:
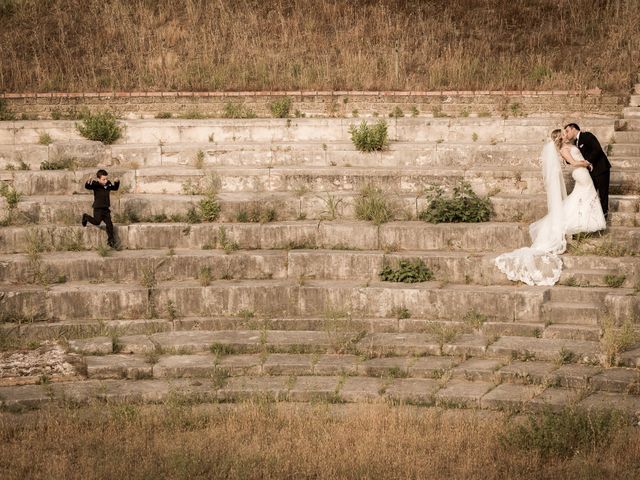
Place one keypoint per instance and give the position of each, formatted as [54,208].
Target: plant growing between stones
[617,338]
[462,206]
[225,242]
[256,212]
[60,163]
[280,108]
[396,112]
[45,139]
[614,281]
[373,204]
[332,205]
[369,138]
[474,319]
[199,163]
[205,275]
[406,271]
[102,127]
[237,110]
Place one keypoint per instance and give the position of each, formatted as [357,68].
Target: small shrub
[614,281]
[396,112]
[257,212]
[564,434]
[474,319]
[45,139]
[61,163]
[103,250]
[10,194]
[280,108]
[5,113]
[565,356]
[414,111]
[101,127]
[225,242]
[407,271]
[204,275]
[373,205]
[401,313]
[237,110]
[616,339]
[369,138]
[209,209]
[193,215]
[164,115]
[193,114]
[464,205]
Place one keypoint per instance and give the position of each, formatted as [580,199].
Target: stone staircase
[293,308]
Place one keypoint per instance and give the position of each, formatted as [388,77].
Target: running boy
[101,203]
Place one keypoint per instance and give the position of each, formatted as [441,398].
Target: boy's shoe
[84,219]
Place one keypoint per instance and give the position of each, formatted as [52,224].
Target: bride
[579,212]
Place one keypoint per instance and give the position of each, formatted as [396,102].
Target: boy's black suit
[591,150]
[101,204]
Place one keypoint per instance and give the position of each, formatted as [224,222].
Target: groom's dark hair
[572,125]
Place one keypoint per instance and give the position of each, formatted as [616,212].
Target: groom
[591,150]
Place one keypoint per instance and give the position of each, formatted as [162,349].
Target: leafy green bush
[369,138]
[280,108]
[464,205]
[237,110]
[407,271]
[564,434]
[101,127]
[373,205]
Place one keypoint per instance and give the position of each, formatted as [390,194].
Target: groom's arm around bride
[592,151]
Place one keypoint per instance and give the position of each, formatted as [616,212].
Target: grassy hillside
[76,45]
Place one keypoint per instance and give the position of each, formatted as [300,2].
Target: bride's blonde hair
[556,136]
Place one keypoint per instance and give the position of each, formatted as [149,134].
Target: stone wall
[322,104]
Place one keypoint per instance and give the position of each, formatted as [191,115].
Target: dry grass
[287,441]
[303,44]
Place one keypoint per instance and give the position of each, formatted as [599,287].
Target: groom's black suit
[591,150]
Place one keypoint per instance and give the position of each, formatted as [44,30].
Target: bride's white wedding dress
[581,211]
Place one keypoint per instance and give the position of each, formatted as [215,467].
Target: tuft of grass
[164,115]
[209,209]
[396,112]
[257,212]
[61,163]
[406,271]
[474,319]
[616,339]
[45,139]
[401,313]
[369,138]
[237,110]
[205,275]
[103,250]
[564,434]
[614,281]
[373,204]
[225,242]
[280,108]
[102,127]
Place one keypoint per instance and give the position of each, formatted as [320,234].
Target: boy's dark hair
[101,173]
[572,125]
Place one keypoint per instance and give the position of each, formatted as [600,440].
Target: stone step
[267,155]
[207,365]
[577,294]
[624,149]
[571,313]
[572,332]
[286,235]
[600,277]
[525,130]
[454,393]
[285,298]
[631,112]
[277,298]
[636,88]
[350,235]
[400,322]
[626,137]
[234,207]
[318,180]
[370,345]
[629,124]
